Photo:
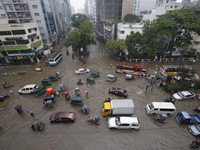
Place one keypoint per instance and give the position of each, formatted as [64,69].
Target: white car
[181,95]
[123,122]
[82,71]
[27,89]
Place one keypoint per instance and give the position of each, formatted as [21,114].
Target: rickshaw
[111,78]
[67,96]
[95,74]
[94,120]
[53,78]
[39,91]
[50,91]
[46,82]
[85,109]
[90,80]
[6,84]
[49,97]
[77,101]
[39,125]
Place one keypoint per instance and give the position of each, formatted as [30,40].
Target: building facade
[143,6]
[20,43]
[90,9]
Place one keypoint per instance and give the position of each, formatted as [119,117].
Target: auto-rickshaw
[77,101]
[50,91]
[49,97]
[90,80]
[46,82]
[53,78]
[38,126]
[111,78]
[39,91]
[95,74]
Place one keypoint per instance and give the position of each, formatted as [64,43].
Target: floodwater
[16,133]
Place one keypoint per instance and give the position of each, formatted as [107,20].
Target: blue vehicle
[55,59]
[185,118]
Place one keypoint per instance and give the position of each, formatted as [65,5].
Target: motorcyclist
[77,91]
[79,81]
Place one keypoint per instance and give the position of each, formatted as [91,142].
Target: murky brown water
[153,135]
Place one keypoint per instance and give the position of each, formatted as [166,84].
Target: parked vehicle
[27,89]
[129,76]
[53,78]
[186,118]
[55,59]
[95,74]
[160,108]
[39,91]
[46,82]
[82,71]
[77,101]
[63,117]
[38,125]
[194,129]
[118,107]
[123,122]
[90,80]
[181,95]
[118,91]
[195,144]
[111,78]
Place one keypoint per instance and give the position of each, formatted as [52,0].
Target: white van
[27,89]
[160,108]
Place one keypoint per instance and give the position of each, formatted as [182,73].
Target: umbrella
[86,92]
[18,107]
[49,101]
[28,110]
[57,89]
[96,116]
[65,93]
[148,84]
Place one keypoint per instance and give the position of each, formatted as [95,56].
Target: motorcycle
[195,144]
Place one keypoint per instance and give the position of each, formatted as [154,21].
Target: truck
[186,118]
[118,107]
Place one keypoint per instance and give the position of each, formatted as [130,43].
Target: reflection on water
[153,135]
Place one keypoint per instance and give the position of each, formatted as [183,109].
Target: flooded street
[16,133]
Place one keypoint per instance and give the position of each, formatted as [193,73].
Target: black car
[118,91]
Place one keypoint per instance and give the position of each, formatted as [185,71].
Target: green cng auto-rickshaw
[39,91]
[77,100]
[46,82]
[49,98]
[53,78]
[95,74]
[90,80]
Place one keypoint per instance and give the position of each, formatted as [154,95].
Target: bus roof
[176,66]
[55,55]
[131,65]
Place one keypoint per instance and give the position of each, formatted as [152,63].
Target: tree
[133,42]
[80,38]
[130,18]
[116,46]
[78,19]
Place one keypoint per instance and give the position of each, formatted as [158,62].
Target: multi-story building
[108,11]
[20,43]
[90,9]
[143,6]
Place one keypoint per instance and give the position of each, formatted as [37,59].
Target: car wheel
[112,128]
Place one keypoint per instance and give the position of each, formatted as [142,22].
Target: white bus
[54,60]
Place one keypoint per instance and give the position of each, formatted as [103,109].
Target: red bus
[131,69]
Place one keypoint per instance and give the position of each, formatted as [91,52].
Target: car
[118,91]
[181,95]
[123,122]
[63,117]
[82,71]
[27,89]
[194,129]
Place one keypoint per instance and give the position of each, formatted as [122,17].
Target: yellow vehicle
[117,107]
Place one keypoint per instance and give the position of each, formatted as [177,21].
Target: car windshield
[198,127]
[57,116]
[70,115]
[117,121]
[180,94]
[151,106]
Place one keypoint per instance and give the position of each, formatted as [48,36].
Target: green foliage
[115,46]
[197,84]
[172,87]
[78,19]
[80,38]
[130,18]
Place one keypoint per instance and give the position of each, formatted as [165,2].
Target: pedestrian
[31,113]
[11,92]
[57,93]
[33,127]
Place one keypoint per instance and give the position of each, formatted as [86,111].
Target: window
[34,6]
[121,32]
[37,14]
[42,34]
[3,16]
[39,21]
[16,32]
[5,33]
[1,7]
[41,28]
